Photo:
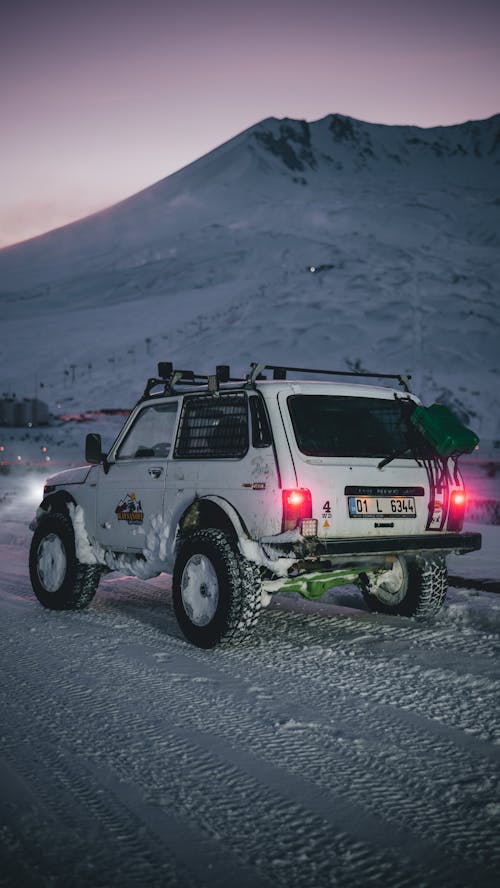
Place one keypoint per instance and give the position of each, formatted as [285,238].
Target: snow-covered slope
[210,266]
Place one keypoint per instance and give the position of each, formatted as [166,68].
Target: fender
[250,549]
[232,514]
[59,499]
[185,518]
[232,520]
[76,475]
[58,496]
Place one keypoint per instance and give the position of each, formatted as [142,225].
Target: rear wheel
[414,588]
[59,581]
[216,592]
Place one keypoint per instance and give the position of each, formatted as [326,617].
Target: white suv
[243,488]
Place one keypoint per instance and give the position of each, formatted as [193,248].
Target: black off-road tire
[59,581]
[425,594]
[251,585]
[209,558]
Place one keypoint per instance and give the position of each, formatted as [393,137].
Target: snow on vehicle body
[242,488]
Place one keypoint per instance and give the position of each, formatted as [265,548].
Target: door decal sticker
[129,509]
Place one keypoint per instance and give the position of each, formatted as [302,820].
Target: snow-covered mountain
[211,265]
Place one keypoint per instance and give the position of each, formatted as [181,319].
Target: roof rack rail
[280,372]
[168,378]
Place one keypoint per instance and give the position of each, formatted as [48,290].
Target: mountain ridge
[275,134]
[214,262]
[439,140]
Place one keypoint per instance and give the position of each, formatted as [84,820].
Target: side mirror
[93,449]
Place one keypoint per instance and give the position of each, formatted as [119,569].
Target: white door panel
[132,491]
[128,496]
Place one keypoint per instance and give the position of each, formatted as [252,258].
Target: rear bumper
[437,543]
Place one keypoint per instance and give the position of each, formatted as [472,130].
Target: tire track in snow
[274,707]
[310,641]
[472,831]
[113,816]
[153,684]
[442,732]
[286,822]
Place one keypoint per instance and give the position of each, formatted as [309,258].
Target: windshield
[337,425]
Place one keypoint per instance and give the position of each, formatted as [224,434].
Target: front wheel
[216,592]
[415,588]
[59,580]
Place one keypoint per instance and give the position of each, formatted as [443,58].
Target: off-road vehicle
[241,488]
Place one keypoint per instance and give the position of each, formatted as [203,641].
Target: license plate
[382,506]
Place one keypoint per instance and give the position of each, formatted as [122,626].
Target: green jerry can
[443,430]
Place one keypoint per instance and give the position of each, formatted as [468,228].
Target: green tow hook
[313,586]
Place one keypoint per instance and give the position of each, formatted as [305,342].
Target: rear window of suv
[337,425]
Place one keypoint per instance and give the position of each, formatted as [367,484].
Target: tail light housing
[297,507]
[456,513]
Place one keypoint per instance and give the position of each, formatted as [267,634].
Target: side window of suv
[213,427]
[261,432]
[151,434]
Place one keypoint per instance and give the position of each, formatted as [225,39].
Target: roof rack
[168,379]
[280,372]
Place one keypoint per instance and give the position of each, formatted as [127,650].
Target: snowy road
[335,748]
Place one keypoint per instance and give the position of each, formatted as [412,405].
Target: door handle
[155,471]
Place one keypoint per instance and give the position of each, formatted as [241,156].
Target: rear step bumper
[439,543]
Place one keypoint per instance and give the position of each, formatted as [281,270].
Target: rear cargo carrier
[443,430]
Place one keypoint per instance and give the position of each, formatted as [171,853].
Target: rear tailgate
[352,497]
[357,499]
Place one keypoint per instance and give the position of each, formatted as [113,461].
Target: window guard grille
[213,427]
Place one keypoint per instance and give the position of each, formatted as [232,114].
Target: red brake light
[297,505]
[456,514]
[294,497]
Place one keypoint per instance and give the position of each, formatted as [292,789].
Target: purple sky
[100,98]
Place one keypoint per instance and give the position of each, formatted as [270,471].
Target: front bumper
[353,547]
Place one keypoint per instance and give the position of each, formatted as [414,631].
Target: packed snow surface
[334,747]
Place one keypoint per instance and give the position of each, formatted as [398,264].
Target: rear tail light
[297,507]
[456,514]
